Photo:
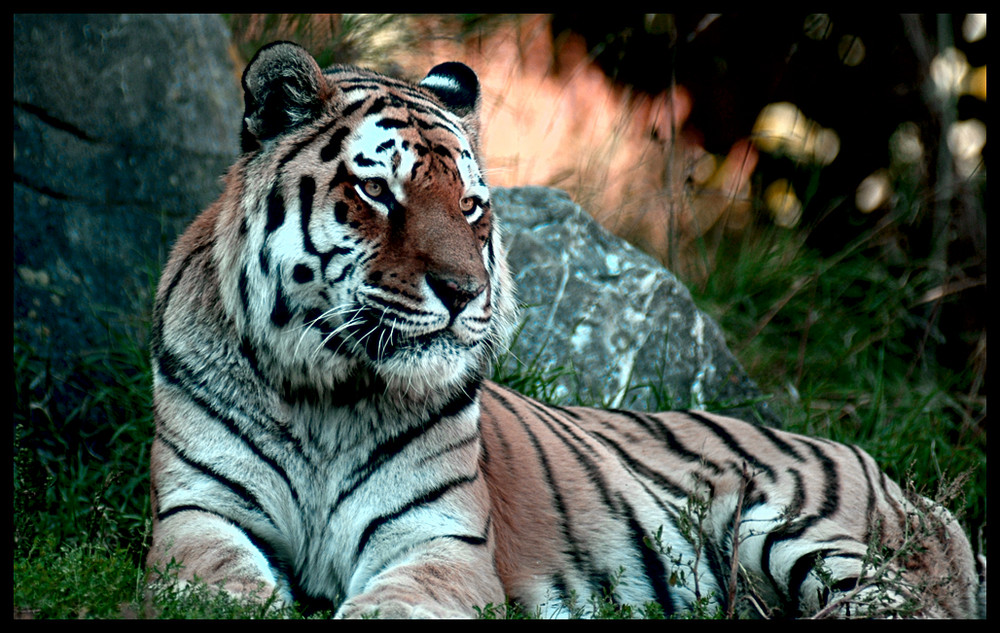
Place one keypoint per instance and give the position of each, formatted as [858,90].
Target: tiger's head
[359,250]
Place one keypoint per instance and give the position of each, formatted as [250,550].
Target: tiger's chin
[429,365]
[385,371]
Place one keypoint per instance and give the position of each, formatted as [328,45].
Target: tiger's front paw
[398,610]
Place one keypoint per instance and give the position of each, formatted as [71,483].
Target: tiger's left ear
[457,86]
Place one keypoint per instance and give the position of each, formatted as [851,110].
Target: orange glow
[621,155]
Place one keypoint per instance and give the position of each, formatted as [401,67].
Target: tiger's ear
[457,86]
[283,87]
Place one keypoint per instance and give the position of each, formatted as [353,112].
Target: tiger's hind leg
[814,567]
[794,573]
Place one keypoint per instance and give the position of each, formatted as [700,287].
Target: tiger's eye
[373,188]
[467,204]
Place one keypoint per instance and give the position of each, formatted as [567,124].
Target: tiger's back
[325,431]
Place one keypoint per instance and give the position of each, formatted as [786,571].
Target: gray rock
[608,325]
[123,126]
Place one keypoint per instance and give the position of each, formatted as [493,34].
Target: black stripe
[831,481]
[243,286]
[795,528]
[407,96]
[281,313]
[450,447]
[656,572]
[660,429]
[780,444]
[797,575]
[388,124]
[733,444]
[574,443]
[639,468]
[278,565]
[298,147]
[307,192]
[163,304]
[260,543]
[388,449]
[351,108]
[344,272]
[333,146]
[795,506]
[870,505]
[275,210]
[250,501]
[340,210]
[307,189]
[800,571]
[425,498]
[790,530]
[265,262]
[176,372]
[378,104]
[341,177]
[466,538]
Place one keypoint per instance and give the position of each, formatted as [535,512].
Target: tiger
[327,436]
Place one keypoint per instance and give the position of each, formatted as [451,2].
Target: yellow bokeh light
[781,128]
[948,71]
[784,205]
[905,144]
[975,83]
[873,192]
[966,140]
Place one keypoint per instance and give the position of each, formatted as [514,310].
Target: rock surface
[608,325]
[123,126]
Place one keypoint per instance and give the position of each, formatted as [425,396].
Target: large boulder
[123,126]
[608,325]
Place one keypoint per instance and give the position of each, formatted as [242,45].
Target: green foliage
[168,599]
[80,474]
[53,580]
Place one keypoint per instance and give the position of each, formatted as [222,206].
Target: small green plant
[168,598]
[60,580]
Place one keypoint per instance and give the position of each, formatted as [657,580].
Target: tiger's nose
[455,293]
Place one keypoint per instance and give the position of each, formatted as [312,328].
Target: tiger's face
[370,255]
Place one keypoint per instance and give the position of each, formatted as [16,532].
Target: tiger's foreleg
[444,578]
[207,548]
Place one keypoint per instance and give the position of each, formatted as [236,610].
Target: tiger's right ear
[283,87]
